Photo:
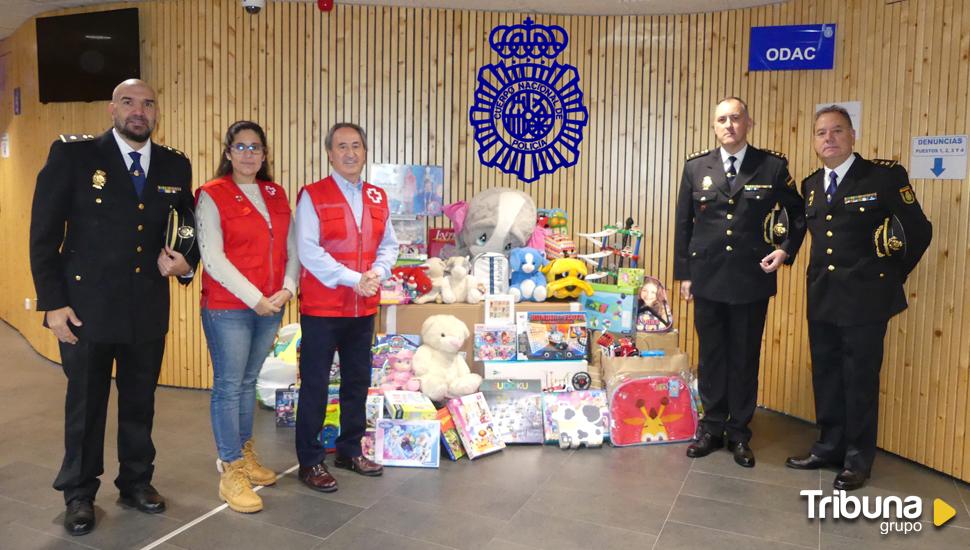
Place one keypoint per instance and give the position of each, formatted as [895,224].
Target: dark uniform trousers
[87,366]
[322,336]
[729,340]
[853,290]
[94,243]
[845,377]
[719,242]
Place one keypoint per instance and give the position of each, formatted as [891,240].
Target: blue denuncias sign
[792,48]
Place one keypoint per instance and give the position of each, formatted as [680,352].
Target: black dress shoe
[850,480]
[144,498]
[743,454]
[79,517]
[809,462]
[704,446]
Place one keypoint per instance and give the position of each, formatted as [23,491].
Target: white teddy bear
[437,272]
[462,286]
[442,371]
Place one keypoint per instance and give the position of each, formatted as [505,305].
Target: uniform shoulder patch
[775,153]
[172,149]
[906,192]
[790,182]
[696,154]
[888,163]
[74,138]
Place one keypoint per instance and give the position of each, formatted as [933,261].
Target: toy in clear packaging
[413,443]
[411,190]
[385,346]
[287,401]
[412,238]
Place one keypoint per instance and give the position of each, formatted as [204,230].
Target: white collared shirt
[739,158]
[840,172]
[146,151]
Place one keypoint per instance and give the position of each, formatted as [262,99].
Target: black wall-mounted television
[83,57]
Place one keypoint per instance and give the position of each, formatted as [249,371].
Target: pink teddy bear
[400,372]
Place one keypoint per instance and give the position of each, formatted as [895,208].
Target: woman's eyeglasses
[240,148]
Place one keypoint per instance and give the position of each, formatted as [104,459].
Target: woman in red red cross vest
[248,248]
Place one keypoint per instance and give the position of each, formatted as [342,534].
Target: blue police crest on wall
[528,116]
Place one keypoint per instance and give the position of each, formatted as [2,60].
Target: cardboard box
[407,319]
[670,364]
[669,342]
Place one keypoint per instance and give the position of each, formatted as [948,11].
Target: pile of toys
[608,370]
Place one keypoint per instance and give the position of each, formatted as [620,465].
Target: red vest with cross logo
[257,250]
[354,248]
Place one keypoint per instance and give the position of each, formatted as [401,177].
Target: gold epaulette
[173,149]
[74,138]
[698,154]
[775,153]
[888,163]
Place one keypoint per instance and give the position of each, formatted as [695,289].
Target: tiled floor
[524,497]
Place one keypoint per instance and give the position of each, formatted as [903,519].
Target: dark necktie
[732,173]
[138,176]
[830,190]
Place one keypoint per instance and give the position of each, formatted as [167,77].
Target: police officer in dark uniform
[101,274]
[727,228]
[868,233]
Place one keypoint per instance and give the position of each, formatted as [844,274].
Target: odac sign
[792,48]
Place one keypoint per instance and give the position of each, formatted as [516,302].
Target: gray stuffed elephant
[496,220]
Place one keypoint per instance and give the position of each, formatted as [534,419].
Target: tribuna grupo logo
[897,514]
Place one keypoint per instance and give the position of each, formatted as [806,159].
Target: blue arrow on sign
[937,166]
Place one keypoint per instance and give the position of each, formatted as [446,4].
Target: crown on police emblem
[528,40]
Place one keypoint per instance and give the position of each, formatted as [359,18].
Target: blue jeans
[239,341]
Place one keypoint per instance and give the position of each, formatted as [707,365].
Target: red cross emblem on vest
[374,195]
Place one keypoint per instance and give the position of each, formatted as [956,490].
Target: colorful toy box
[553,336]
[495,343]
[413,443]
[650,408]
[450,440]
[609,309]
[409,405]
[473,420]
[516,407]
[576,418]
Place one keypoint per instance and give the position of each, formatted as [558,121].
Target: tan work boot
[256,472]
[235,489]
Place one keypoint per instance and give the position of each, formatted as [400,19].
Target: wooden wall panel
[650,82]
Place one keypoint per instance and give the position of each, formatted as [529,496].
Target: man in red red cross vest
[347,247]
